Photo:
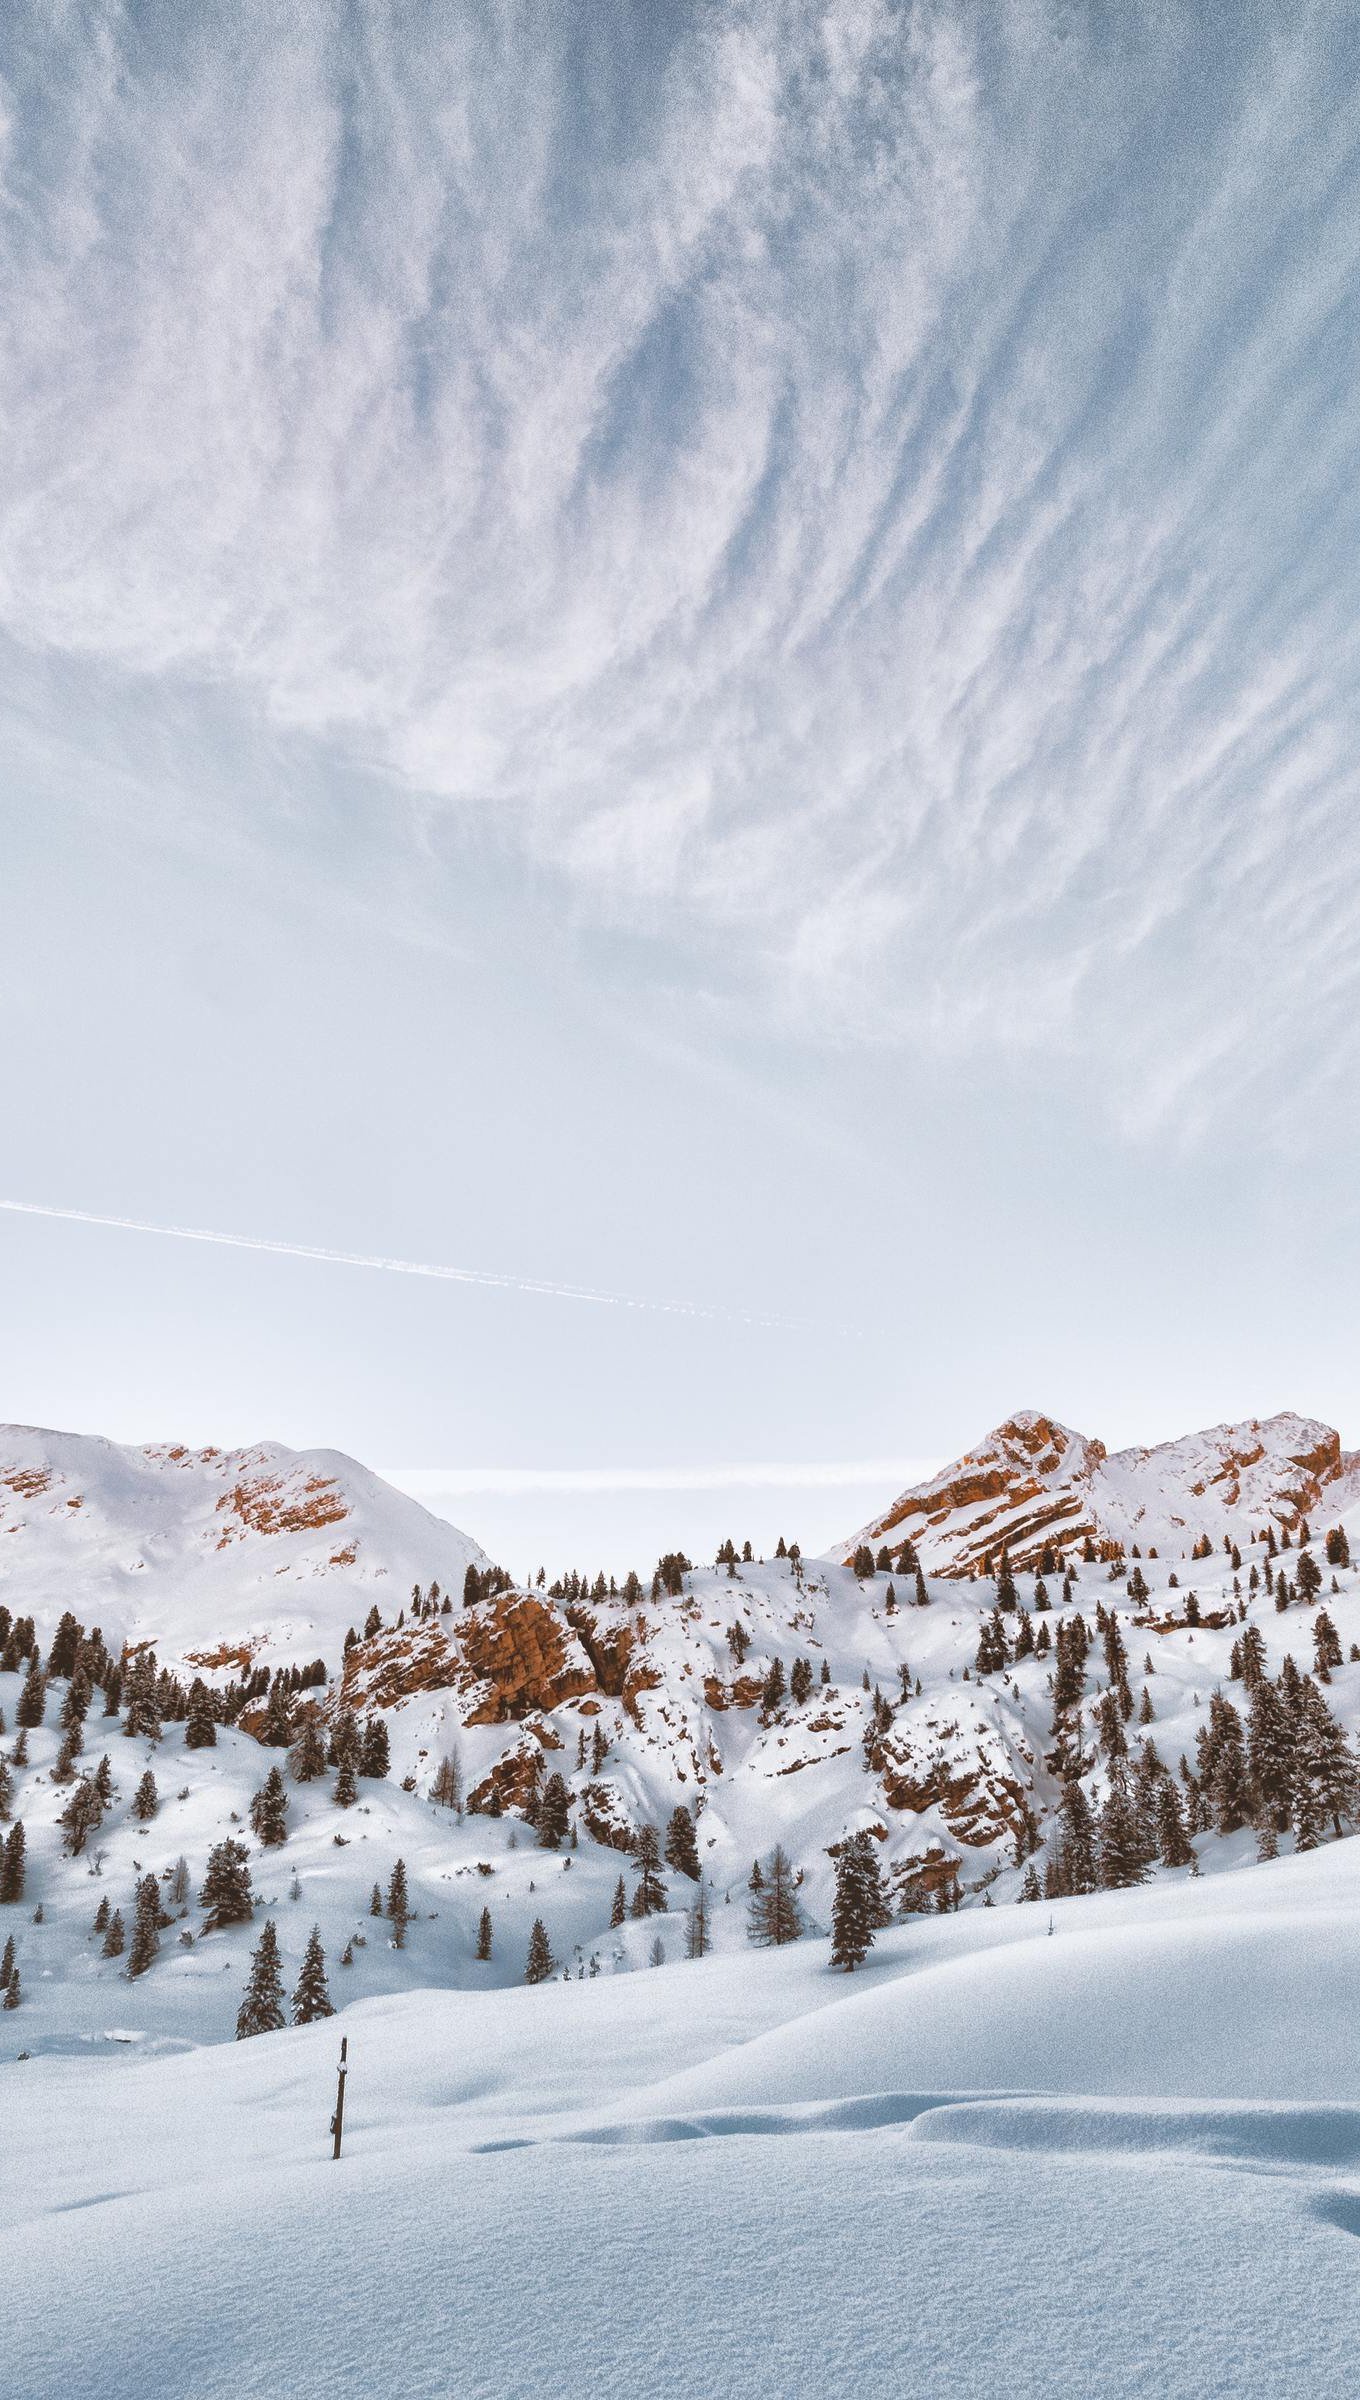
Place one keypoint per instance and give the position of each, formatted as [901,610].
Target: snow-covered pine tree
[375,1750]
[311,1993]
[619,1909]
[554,1813]
[269,1812]
[114,1936]
[200,1726]
[32,1703]
[484,1934]
[773,1916]
[858,1901]
[307,1758]
[540,1965]
[261,2009]
[698,1939]
[682,1851]
[13,1863]
[226,1896]
[398,1903]
[146,1799]
[649,1896]
[146,1940]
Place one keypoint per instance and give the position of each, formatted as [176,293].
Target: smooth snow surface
[1120,2158]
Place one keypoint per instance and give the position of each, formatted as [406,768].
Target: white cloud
[875,482]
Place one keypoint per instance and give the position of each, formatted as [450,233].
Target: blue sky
[708,653]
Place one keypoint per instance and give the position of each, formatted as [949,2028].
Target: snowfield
[1122,2157]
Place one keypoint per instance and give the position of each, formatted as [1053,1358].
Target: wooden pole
[338,2120]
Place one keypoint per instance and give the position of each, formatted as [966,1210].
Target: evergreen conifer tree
[146,1799]
[774,1916]
[698,1940]
[398,1903]
[484,1934]
[649,1898]
[682,1851]
[32,1704]
[540,1964]
[13,1863]
[114,1936]
[226,1896]
[146,1939]
[858,1902]
[200,1726]
[269,1812]
[375,1754]
[554,1813]
[619,1910]
[13,1994]
[261,2009]
[346,1783]
[307,1759]
[311,1993]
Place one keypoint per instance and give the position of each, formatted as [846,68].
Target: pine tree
[540,1964]
[1173,1847]
[226,1896]
[82,1816]
[13,1994]
[484,1934]
[13,1863]
[141,1716]
[101,1917]
[698,1940]
[1077,1850]
[64,1766]
[146,1940]
[200,1726]
[857,1904]
[375,1901]
[772,1690]
[649,1897]
[619,1910]
[1122,1855]
[33,1698]
[682,1851]
[1005,1584]
[311,1993]
[261,2009]
[774,1916]
[346,1784]
[7,1961]
[146,1799]
[114,1936]
[1324,1760]
[554,1813]
[375,1755]
[398,1903]
[307,1759]
[269,1812]
[1030,1889]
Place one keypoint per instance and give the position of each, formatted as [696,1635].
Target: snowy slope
[266,1550]
[1120,2157]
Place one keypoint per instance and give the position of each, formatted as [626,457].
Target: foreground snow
[1123,2157]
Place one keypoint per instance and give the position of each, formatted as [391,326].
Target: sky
[700,656]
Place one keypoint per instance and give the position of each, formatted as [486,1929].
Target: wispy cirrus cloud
[877,483]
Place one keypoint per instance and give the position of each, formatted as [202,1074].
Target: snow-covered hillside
[265,1551]
[1111,2147]
[1035,1485]
[1142,1712]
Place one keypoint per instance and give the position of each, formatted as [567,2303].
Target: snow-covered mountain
[265,1553]
[785,1700]
[1034,1485]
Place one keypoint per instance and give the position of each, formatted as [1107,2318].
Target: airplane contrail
[482,1277]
